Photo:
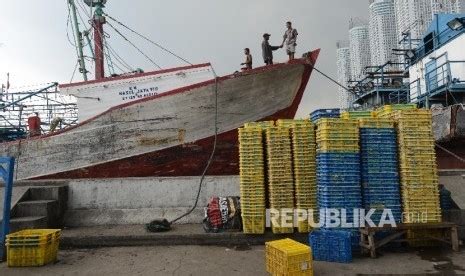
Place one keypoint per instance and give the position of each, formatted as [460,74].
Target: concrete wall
[140,200]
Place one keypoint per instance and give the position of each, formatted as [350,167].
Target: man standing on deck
[248,60]
[290,40]
[267,49]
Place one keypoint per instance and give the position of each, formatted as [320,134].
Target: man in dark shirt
[267,49]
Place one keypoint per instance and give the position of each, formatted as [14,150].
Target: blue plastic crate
[387,175]
[334,177]
[340,205]
[339,189]
[373,147]
[325,202]
[379,154]
[385,202]
[369,195]
[325,113]
[336,193]
[378,177]
[378,130]
[389,167]
[382,138]
[331,246]
[334,198]
[337,167]
[336,183]
[381,190]
[381,186]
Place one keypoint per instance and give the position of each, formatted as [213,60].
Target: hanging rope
[451,153]
[120,59]
[133,45]
[74,72]
[148,39]
[331,79]
[105,51]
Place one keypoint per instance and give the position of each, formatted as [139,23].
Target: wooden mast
[99,20]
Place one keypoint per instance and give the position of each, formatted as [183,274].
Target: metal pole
[82,62]
[6,173]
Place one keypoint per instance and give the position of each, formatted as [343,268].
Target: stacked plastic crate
[418,169]
[252,179]
[331,246]
[325,113]
[379,168]
[357,114]
[288,257]
[280,178]
[338,168]
[304,167]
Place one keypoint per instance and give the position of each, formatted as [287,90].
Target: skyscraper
[359,46]
[447,6]
[415,16]
[383,31]
[343,72]
[412,16]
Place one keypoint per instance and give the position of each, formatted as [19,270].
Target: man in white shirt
[290,40]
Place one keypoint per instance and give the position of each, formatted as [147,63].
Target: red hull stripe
[152,73]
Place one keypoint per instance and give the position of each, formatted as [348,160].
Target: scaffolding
[56,111]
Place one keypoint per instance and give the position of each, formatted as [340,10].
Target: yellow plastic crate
[253,224]
[358,114]
[35,247]
[395,107]
[336,122]
[288,257]
[263,124]
[294,123]
[376,123]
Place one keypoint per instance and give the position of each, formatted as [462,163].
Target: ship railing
[444,77]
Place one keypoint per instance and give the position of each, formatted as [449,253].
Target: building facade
[447,6]
[359,47]
[382,31]
[414,16]
[343,72]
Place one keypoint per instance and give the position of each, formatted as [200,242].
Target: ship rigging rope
[331,79]
[210,159]
[118,57]
[133,45]
[148,39]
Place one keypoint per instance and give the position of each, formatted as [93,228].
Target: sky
[34,45]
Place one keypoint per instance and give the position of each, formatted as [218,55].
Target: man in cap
[290,40]
[267,49]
